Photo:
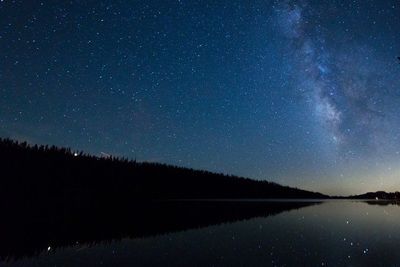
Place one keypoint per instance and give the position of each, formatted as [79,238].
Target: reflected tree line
[29,236]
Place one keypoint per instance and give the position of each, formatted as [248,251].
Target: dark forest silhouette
[378,195]
[58,175]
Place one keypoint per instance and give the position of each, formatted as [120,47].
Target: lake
[236,233]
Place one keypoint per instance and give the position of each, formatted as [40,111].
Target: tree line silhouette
[48,174]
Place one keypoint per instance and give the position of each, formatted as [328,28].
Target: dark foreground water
[331,233]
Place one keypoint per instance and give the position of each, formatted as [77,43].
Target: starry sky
[303,93]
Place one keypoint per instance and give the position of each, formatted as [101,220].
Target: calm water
[332,233]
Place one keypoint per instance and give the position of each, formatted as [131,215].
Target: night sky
[303,93]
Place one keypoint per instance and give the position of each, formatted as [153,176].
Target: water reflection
[383,202]
[48,230]
[335,233]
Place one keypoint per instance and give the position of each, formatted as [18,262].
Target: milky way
[303,93]
[351,90]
